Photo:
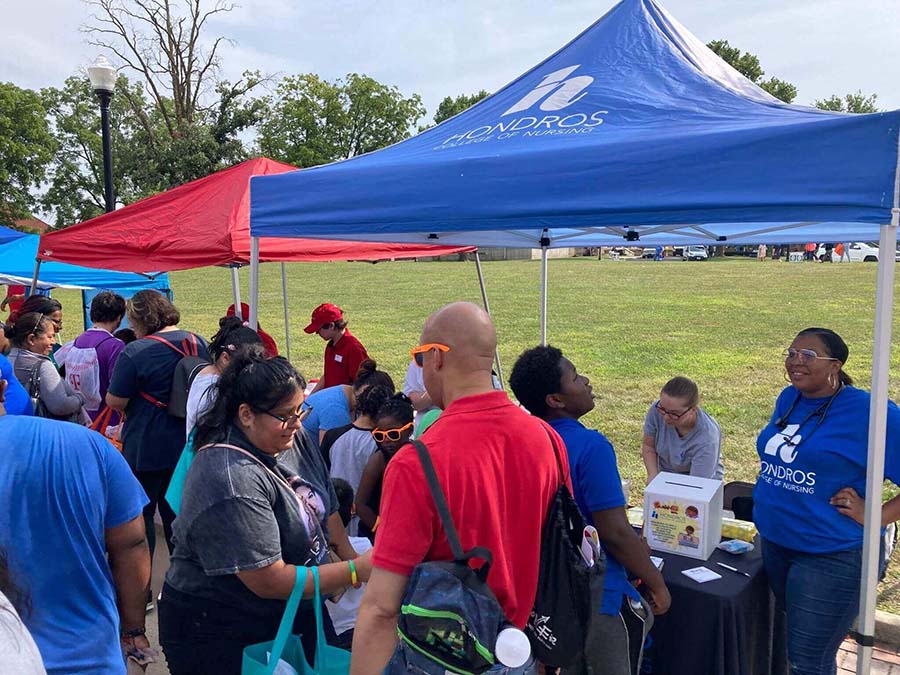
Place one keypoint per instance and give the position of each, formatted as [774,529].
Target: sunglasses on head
[418,353]
[382,435]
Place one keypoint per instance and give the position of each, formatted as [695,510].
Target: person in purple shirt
[90,358]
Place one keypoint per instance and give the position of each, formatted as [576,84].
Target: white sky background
[447,47]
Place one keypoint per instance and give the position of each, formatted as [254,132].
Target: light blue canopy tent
[634,133]
[17,258]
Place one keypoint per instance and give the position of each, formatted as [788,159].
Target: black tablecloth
[726,626]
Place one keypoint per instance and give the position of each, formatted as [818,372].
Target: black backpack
[186,370]
[449,618]
[559,621]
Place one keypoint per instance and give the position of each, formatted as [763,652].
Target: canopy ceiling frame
[680,149]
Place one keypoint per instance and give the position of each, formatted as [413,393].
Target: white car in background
[695,253]
[857,251]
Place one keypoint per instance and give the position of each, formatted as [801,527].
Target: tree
[851,103]
[453,106]
[748,65]
[311,121]
[26,147]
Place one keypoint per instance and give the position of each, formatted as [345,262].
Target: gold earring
[831,380]
[786,377]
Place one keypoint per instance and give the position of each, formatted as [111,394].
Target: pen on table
[734,569]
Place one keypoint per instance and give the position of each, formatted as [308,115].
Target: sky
[448,47]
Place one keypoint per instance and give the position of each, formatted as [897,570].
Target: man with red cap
[343,352]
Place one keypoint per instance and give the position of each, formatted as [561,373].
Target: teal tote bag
[176,484]
[256,659]
[328,660]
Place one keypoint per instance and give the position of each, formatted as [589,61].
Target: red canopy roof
[201,223]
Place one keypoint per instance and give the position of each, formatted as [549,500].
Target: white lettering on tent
[554,91]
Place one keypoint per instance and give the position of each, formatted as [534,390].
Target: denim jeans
[820,594]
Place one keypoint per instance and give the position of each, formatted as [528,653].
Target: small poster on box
[683,514]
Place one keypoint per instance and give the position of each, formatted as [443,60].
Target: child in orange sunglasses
[393,428]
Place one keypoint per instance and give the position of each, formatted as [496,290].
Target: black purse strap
[443,510]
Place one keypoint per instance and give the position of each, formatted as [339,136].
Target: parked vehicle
[857,251]
[695,253]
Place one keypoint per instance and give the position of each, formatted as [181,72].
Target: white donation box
[683,514]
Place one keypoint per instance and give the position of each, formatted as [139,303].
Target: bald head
[466,369]
[468,331]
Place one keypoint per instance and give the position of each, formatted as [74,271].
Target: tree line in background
[174,119]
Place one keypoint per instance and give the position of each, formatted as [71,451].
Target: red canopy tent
[202,223]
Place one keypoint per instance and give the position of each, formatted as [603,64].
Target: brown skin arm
[117,402]
[375,636]
[856,507]
[129,561]
[338,539]
[374,469]
[651,459]
[276,581]
[626,546]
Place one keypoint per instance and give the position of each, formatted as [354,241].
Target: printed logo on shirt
[783,446]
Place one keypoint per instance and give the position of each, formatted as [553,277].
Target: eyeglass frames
[382,435]
[418,353]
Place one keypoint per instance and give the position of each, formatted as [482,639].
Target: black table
[726,626]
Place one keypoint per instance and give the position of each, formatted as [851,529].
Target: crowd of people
[276,479]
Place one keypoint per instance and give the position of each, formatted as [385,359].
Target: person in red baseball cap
[343,352]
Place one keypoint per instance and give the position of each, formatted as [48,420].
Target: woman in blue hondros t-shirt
[809,498]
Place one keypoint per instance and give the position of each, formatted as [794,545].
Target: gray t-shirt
[236,516]
[698,453]
[350,453]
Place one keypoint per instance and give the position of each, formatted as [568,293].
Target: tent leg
[881,360]
[236,289]
[287,324]
[543,295]
[254,282]
[487,308]
[34,279]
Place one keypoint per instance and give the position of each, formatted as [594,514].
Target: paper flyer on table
[701,574]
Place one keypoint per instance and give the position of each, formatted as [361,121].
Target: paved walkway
[885,659]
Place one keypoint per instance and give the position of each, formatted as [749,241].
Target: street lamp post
[103,80]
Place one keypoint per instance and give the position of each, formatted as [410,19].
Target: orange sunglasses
[382,435]
[418,353]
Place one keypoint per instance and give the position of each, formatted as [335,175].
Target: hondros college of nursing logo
[556,92]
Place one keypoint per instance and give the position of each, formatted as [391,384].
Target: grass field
[629,325]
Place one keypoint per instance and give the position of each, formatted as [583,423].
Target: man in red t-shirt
[343,352]
[496,466]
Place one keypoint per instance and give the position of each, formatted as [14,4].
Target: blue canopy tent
[7,235]
[634,133]
[17,258]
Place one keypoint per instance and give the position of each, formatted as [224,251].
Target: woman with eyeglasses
[49,307]
[33,338]
[250,513]
[336,406]
[809,498]
[393,429]
[679,436]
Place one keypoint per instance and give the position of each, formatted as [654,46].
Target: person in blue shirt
[18,402]
[549,387]
[67,500]
[809,499]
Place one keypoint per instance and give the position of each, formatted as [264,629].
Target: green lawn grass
[629,325]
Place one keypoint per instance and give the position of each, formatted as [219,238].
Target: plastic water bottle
[512,648]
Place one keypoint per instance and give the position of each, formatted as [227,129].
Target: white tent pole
[254,282]
[881,359]
[287,325]
[487,308]
[34,279]
[236,289]
[543,293]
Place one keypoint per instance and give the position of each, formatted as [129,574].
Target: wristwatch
[133,633]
